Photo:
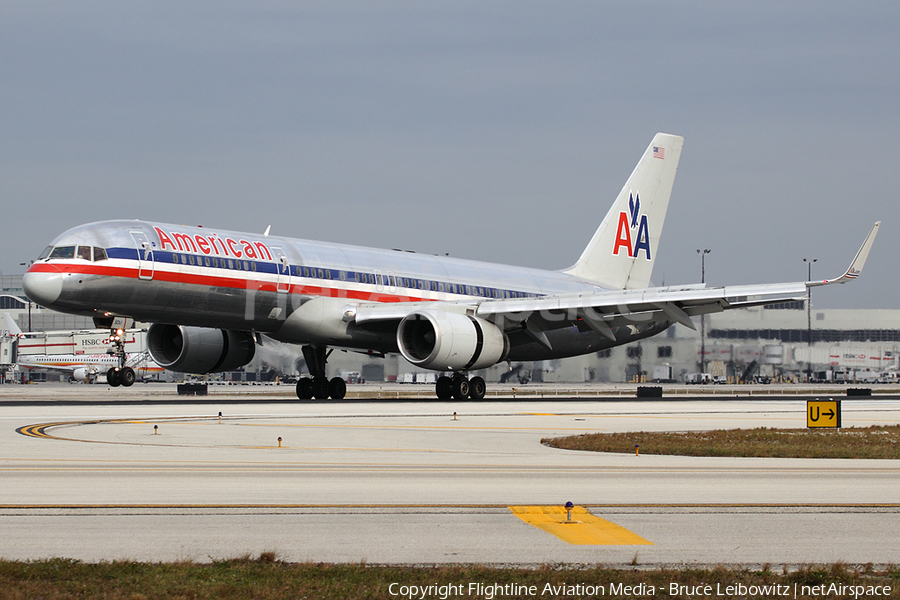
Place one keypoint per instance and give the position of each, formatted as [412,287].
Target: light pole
[809,263]
[29,300]
[703,254]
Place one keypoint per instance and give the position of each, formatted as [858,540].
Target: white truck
[697,378]
[663,374]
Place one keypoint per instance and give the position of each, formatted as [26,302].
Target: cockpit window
[63,252]
[89,253]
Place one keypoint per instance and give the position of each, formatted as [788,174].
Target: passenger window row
[214,262]
[411,283]
[95,254]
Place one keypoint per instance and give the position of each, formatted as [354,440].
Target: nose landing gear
[120,375]
[123,376]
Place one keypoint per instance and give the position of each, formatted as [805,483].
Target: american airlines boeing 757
[212,295]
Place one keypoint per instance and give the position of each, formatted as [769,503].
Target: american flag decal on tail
[659,152]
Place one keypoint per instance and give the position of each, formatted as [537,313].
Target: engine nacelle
[449,341]
[199,350]
[82,375]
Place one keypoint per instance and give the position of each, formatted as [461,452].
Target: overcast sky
[499,131]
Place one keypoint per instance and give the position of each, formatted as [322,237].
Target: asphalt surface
[406,482]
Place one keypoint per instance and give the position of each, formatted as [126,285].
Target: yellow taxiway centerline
[584,529]
[459,506]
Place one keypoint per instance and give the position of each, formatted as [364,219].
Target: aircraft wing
[602,311]
[605,310]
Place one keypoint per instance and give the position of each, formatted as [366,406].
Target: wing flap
[678,304]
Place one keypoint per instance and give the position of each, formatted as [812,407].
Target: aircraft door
[145,254]
[283,284]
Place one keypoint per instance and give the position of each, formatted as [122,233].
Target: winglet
[856,267]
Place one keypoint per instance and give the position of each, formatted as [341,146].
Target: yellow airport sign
[823,413]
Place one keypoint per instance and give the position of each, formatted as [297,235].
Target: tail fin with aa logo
[622,251]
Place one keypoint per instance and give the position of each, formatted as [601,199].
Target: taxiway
[406,482]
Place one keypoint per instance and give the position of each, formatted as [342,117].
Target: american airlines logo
[633,232]
[212,244]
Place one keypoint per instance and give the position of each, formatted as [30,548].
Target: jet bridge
[8,345]
[8,355]
[93,341]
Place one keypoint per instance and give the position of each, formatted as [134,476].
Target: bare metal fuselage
[211,294]
[297,291]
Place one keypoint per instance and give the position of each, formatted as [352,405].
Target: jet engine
[449,341]
[199,350]
[83,375]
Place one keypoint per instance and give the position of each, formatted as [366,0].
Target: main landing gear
[319,386]
[123,376]
[460,388]
[120,375]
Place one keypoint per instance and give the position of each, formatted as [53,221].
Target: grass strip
[271,579]
[879,441]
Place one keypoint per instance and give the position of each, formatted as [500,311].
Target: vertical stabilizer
[622,251]
[8,326]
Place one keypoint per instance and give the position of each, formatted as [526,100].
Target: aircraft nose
[43,284]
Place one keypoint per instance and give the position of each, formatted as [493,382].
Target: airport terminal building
[769,343]
[776,342]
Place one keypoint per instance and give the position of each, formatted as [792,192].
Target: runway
[407,483]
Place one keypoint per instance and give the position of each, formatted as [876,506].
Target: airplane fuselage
[292,290]
[211,295]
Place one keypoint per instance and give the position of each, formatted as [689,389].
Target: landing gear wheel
[112,378]
[126,376]
[444,388]
[477,388]
[337,388]
[460,387]
[320,388]
[304,388]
